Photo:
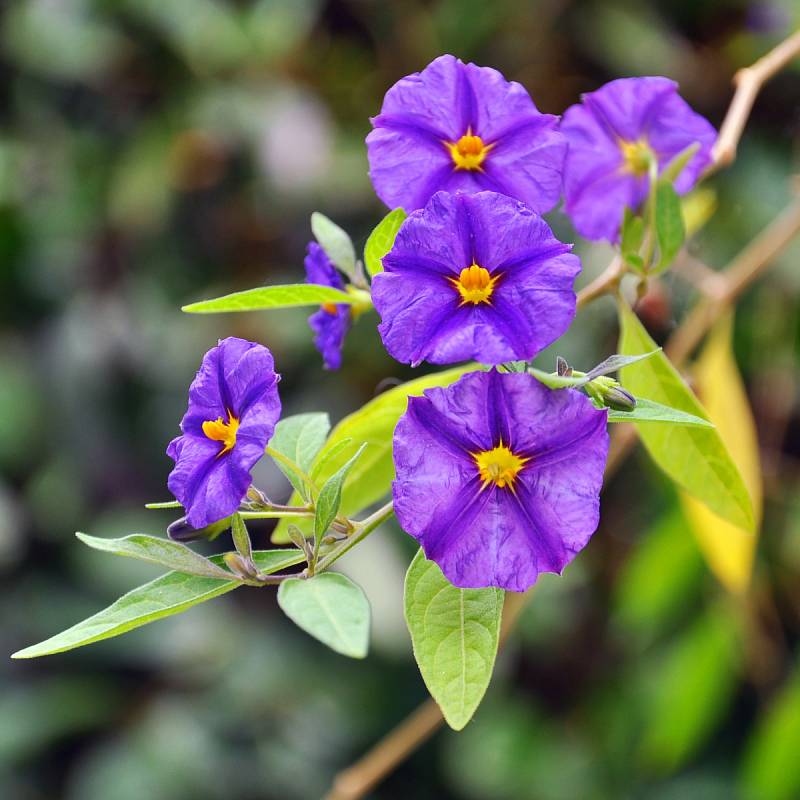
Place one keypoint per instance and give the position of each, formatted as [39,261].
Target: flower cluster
[497,476]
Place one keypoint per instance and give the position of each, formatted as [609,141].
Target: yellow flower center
[219,431]
[330,308]
[469,151]
[636,156]
[499,466]
[474,284]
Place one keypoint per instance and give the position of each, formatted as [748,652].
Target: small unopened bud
[619,399]
[608,392]
[182,531]
[256,497]
[238,565]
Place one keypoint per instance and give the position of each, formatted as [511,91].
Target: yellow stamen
[499,466]
[636,156]
[469,151]
[219,431]
[474,284]
[329,307]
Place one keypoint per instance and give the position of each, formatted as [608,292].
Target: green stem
[295,513]
[362,529]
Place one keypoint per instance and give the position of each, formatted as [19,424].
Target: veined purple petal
[482,533]
[647,112]
[423,315]
[236,385]
[424,113]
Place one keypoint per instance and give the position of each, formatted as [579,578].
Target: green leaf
[691,689]
[331,608]
[241,538]
[677,164]
[301,437]
[170,594]
[336,243]
[670,232]
[292,473]
[611,364]
[615,363]
[373,424]
[650,411]
[381,239]
[694,457]
[455,634]
[632,234]
[330,452]
[290,295]
[164,552]
[330,498]
[771,768]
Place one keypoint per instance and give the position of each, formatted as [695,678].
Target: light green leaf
[373,424]
[241,538]
[331,608]
[694,457]
[330,498]
[691,689]
[771,768]
[670,232]
[632,236]
[677,164]
[170,594]
[615,363]
[301,437]
[164,552]
[455,634]
[336,243]
[324,458]
[381,239]
[292,473]
[289,295]
[650,411]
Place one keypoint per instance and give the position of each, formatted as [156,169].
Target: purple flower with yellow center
[233,408]
[613,135]
[498,477]
[331,323]
[460,127]
[474,277]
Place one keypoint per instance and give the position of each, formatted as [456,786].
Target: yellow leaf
[728,549]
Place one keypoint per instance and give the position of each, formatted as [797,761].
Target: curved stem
[362,529]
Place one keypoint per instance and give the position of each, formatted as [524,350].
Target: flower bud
[182,531]
[238,565]
[607,391]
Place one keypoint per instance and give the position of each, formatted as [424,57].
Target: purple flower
[331,322]
[233,408]
[498,477]
[474,277]
[460,127]
[612,136]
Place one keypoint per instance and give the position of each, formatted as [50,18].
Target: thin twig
[748,83]
[605,283]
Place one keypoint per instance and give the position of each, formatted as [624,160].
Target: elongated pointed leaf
[670,231]
[331,608]
[265,297]
[381,239]
[650,411]
[373,424]
[164,552]
[617,362]
[455,634]
[694,457]
[729,549]
[301,437]
[336,243]
[330,497]
[170,594]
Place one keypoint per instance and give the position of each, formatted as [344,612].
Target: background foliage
[155,153]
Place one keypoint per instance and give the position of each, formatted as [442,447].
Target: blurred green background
[154,152]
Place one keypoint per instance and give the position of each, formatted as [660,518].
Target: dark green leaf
[164,552]
[170,594]
[670,232]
